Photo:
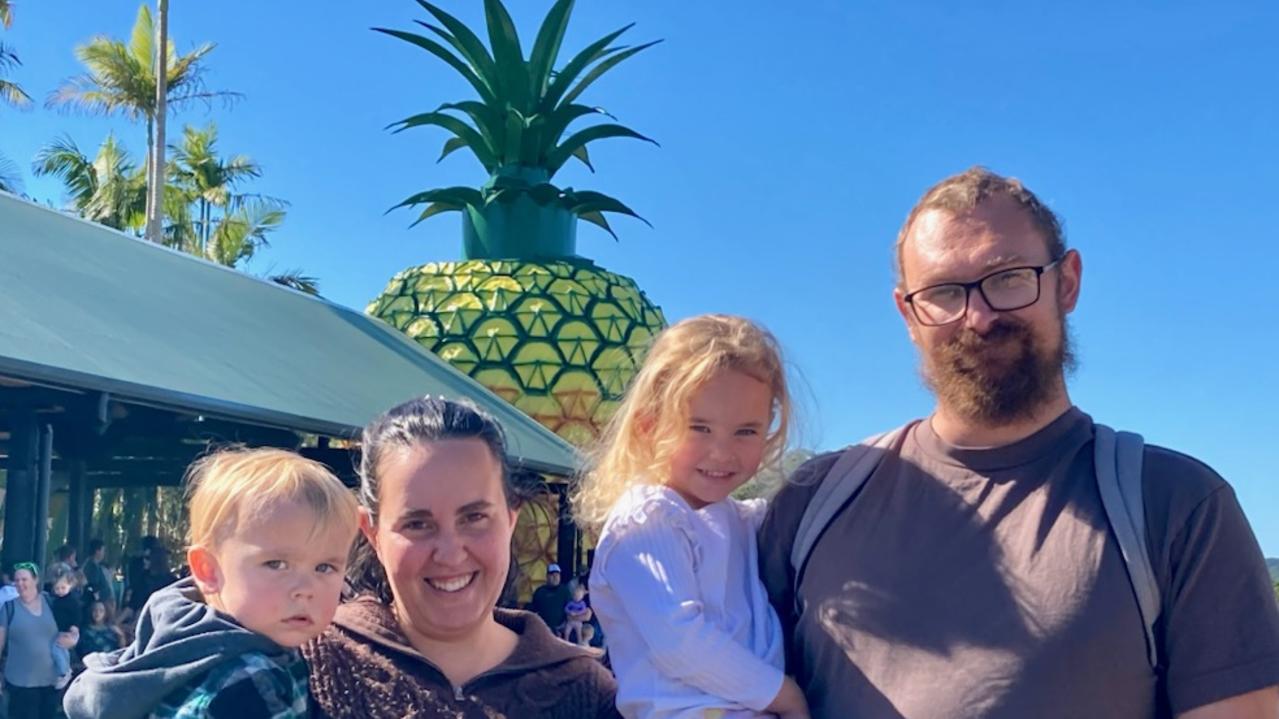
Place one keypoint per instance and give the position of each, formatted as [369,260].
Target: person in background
[99,634]
[26,630]
[137,572]
[7,590]
[549,599]
[576,613]
[68,614]
[97,581]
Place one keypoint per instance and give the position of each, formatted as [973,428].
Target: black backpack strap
[849,473]
[1118,459]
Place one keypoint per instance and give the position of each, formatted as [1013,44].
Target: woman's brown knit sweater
[363,667]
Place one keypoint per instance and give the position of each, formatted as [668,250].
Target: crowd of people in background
[100,602]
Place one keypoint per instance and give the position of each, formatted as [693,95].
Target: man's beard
[999,377]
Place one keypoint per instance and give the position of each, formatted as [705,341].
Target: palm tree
[208,181]
[13,94]
[243,231]
[155,161]
[121,77]
[10,179]
[109,189]
[10,92]
[213,219]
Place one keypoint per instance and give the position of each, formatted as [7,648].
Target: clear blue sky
[795,137]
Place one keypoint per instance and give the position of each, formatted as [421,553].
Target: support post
[566,535]
[44,482]
[20,495]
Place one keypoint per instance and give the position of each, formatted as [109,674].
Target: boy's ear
[205,570]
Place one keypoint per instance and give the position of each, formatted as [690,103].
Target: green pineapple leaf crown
[517,131]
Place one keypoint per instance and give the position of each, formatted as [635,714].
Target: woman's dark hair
[417,421]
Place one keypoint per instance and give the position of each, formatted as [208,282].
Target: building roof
[85,306]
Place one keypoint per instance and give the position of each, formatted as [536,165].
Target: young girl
[675,582]
[100,635]
[578,614]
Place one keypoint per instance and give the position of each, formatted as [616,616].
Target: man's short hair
[965,191]
[225,490]
[95,545]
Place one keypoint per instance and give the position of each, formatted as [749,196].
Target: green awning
[85,306]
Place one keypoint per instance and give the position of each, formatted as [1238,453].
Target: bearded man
[976,571]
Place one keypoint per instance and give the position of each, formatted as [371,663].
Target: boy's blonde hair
[227,489]
[648,426]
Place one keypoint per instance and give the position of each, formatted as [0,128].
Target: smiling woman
[424,636]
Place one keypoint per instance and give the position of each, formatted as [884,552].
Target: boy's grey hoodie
[179,640]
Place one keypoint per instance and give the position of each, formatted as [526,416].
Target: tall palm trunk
[155,169]
[206,215]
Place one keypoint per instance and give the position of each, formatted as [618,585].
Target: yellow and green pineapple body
[559,339]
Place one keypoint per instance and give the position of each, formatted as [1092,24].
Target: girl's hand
[789,702]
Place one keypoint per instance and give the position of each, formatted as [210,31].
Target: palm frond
[120,77]
[13,94]
[63,159]
[10,176]
[295,279]
[240,234]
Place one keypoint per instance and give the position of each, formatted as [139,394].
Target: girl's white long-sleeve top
[685,616]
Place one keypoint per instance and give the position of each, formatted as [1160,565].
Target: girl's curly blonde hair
[642,435]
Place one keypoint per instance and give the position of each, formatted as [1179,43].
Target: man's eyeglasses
[1004,291]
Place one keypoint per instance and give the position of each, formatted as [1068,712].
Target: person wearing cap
[549,599]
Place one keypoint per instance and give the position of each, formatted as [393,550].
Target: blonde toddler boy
[270,532]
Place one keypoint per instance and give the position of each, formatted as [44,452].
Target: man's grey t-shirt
[986,583]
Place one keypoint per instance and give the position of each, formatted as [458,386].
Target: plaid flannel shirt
[251,686]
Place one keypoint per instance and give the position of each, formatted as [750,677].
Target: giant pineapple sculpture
[548,330]
[526,316]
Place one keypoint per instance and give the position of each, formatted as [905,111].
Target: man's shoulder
[1170,471]
[787,506]
[1174,486]
[809,475]
[800,486]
